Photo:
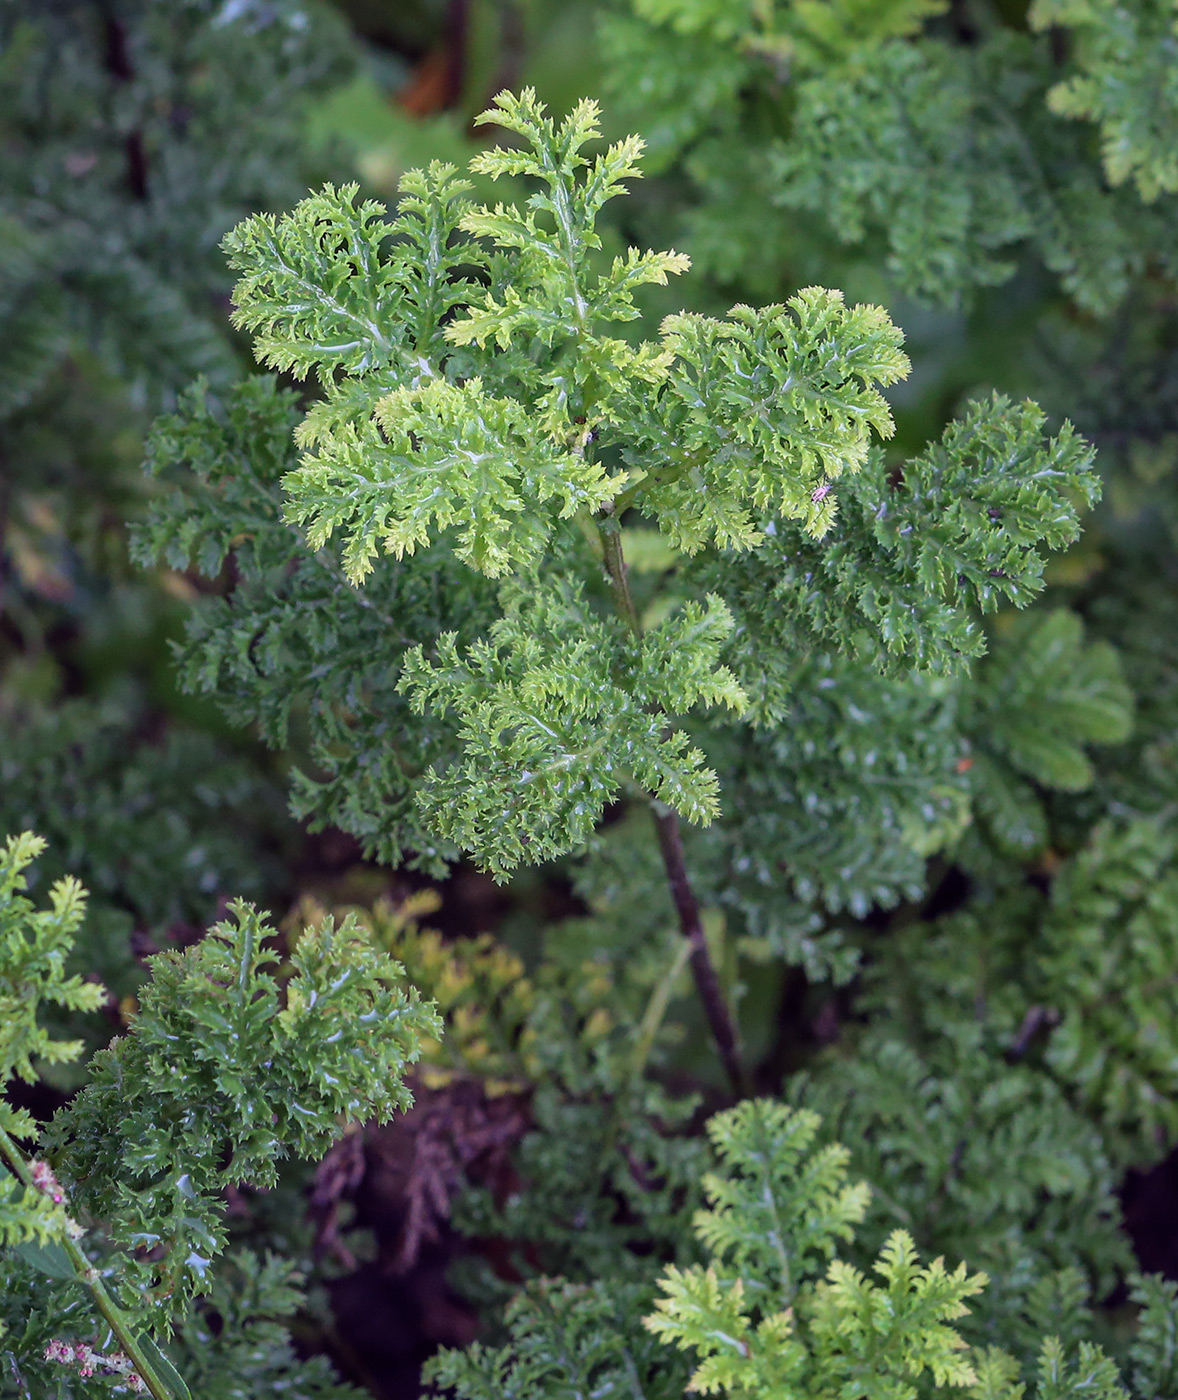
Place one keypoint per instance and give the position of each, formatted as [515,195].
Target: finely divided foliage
[476,408]
[507,563]
[33,948]
[760,413]
[772,1314]
[228,1074]
[952,153]
[758,1315]
[1125,80]
[114,184]
[223,1073]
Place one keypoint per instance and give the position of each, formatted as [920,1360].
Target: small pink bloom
[46,1182]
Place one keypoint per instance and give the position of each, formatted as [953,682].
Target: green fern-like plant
[940,147]
[266,1076]
[1125,82]
[480,422]
[223,1073]
[758,1319]
[710,616]
[778,1310]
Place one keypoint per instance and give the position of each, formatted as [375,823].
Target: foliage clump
[747,644]
[223,1073]
[728,434]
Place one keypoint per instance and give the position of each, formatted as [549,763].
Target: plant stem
[619,578]
[707,982]
[88,1274]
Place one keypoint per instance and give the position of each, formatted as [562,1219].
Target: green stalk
[615,564]
[115,1317]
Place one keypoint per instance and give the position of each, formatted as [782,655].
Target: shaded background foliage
[943,160]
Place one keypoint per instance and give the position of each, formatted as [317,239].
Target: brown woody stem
[707,982]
